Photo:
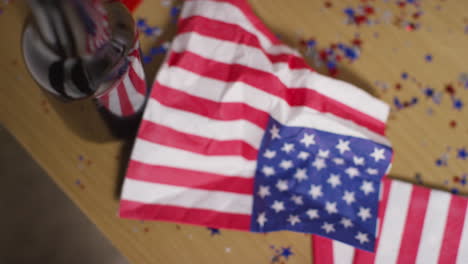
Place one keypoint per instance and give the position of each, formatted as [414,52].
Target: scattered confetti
[227,250]
[332,56]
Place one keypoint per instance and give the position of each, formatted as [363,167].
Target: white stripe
[393,226]
[462,257]
[219,91]
[137,67]
[228,13]
[155,154]
[229,52]
[195,124]
[114,102]
[154,193]
[342,253]
[434,226]
[135,98]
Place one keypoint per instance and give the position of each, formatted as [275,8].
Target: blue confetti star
[440,162]
[311,43]
[141,23]
[429,92]
[404,75]
[286,252]
[214,231]
[457,104]
[428,57]
[454,190]
[349,11]
[462,153]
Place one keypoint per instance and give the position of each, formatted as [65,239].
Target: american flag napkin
[240,133]
[418,225]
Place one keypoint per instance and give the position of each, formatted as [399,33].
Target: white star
[362,237]
[331,207]
[319,163]
[346,222]
[334,180]
[294,219]
[328,227]
[348,197]
[372,171]
[287,147]
[282,185]
[269,154]
[364,213]
[286,164]
[274,132]
[378,154]
[367,187]
[303,155]
[261,219]
[358,161]
[268,171]
[315,191]
[278,206]
[338,161]
[352,172]
[301,174]
[324,153]
[343,146]
[308,140]
[297,199]
[264,191]
[313,214]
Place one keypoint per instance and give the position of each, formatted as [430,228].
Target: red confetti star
[369,10]
[357,42]
[328,4]
[360,19]
[449,89]
[453,124]
[398,86]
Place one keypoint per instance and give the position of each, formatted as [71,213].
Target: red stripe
[256,22]
[271,84]
[189,178]
[413,225]
[166,136]
[236,34]
[214,110]
[322,249]
[125,104]
[138,84]
[453,230]
[141,211]
[365,257]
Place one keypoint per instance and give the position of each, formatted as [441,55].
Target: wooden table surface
[429,136]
